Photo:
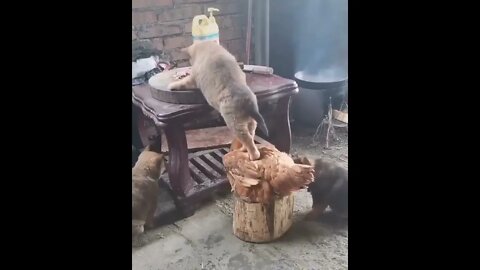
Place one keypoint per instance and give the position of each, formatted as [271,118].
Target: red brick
[224,22]
[188,27]
[231,8]
[185,24]
[230,21]
[227,21]
[176,54]
[231,33]
[141,45]
[235,45]
[179,13]
[146,17]
[177,42]
[151,3]
[157,43]
[240,56]
[159,30]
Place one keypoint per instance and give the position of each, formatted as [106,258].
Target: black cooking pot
[311,104]
[321,81]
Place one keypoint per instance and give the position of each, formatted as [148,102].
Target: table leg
[148,133]
[279,128]
[136,141]
[178,171]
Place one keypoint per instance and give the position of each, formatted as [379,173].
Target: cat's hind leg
[239,127]
[252,126]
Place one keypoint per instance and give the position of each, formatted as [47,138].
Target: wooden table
[195,170]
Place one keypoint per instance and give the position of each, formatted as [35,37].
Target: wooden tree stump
[259,223]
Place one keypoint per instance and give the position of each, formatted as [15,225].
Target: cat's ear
[160,164]
[147,148]
[307,161]
[302,160]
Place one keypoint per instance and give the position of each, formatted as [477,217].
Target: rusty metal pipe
[248,40]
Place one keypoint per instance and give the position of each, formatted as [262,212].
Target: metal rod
[249,32]
[267,33]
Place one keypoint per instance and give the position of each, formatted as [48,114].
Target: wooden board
[205,138]
[209,138]
[340,116]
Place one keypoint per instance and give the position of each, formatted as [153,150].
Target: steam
[321,38]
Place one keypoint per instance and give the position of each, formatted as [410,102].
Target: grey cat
[223,83]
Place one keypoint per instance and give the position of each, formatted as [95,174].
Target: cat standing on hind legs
[223,84]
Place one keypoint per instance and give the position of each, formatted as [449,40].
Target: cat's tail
[260,121]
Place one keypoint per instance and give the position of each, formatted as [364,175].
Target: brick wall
[166,25]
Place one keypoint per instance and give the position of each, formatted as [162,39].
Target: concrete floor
[205,240]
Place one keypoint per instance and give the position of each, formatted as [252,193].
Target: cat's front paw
[171,86]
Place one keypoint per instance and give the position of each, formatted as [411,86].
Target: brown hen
[274,174]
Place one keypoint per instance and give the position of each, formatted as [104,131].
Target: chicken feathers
[274,173]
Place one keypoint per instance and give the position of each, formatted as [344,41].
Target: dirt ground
[304,144]
[205,240]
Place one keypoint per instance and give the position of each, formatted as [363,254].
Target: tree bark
[258,223]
